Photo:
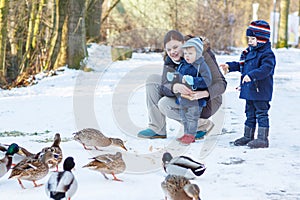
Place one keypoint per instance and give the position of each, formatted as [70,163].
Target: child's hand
[246,79]
[225,68]
[188,79]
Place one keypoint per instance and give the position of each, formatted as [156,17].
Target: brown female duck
[95,138]
[32,169]
[179,188]
[55,148]
[108,164]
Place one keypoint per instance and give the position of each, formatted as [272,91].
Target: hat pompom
[259,29]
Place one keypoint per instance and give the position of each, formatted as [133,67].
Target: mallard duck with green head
[23,153]
[6,162]
[108,164]
[95,138]
[179,188]
[32,169]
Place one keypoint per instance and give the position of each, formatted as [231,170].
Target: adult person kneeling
[160,93]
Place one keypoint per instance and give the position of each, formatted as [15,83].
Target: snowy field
[112,99]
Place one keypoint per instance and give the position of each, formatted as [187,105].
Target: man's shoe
[206,126]
[200,135]
[150,134]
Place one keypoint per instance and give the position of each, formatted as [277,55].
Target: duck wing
[185,166]
[60,181]
[25,167]
[92,137]
[197,167]
[105,158]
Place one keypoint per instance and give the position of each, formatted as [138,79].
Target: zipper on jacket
[256,86]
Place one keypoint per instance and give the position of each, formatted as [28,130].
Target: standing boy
[256,65]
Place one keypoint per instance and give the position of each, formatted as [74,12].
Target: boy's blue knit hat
[197,43]
[259,29]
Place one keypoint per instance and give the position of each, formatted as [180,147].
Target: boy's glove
[189,79]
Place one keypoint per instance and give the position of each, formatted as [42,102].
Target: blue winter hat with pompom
[259,29]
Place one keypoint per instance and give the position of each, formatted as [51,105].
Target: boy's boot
[262,139]
[248,136]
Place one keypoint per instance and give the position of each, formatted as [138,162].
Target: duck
[55,148]
[22,151]
[108,164]
[22,154]
[180,188]
[32,169]
[193,191]
[95,138]
[62,184]
[183,166]
[6,162]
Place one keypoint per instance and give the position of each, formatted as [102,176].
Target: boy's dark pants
[257,111]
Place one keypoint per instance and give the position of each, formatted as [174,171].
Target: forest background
[42,35]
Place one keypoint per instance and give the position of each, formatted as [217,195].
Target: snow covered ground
[112,99]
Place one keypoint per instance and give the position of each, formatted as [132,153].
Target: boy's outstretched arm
[225,67]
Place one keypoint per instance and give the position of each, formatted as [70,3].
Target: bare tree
[93,19]
[3,36]
[56,43]
[13,67]
[283,24]
[77,50]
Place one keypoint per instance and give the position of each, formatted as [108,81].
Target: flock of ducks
[62,184]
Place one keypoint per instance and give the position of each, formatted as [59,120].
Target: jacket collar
[260,46]
[199,61]
[254,50]
[169,61]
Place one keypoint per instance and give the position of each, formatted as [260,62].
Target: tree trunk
[36,27]
[62,58]
[12,69]
[54,33]
[93,20]
[28,48]
[77,51]
[59,17]
[283,24]
[3,36]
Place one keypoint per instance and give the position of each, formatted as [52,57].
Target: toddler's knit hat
[259,29]
[197,43]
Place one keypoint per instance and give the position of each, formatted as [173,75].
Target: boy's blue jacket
[259,65]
